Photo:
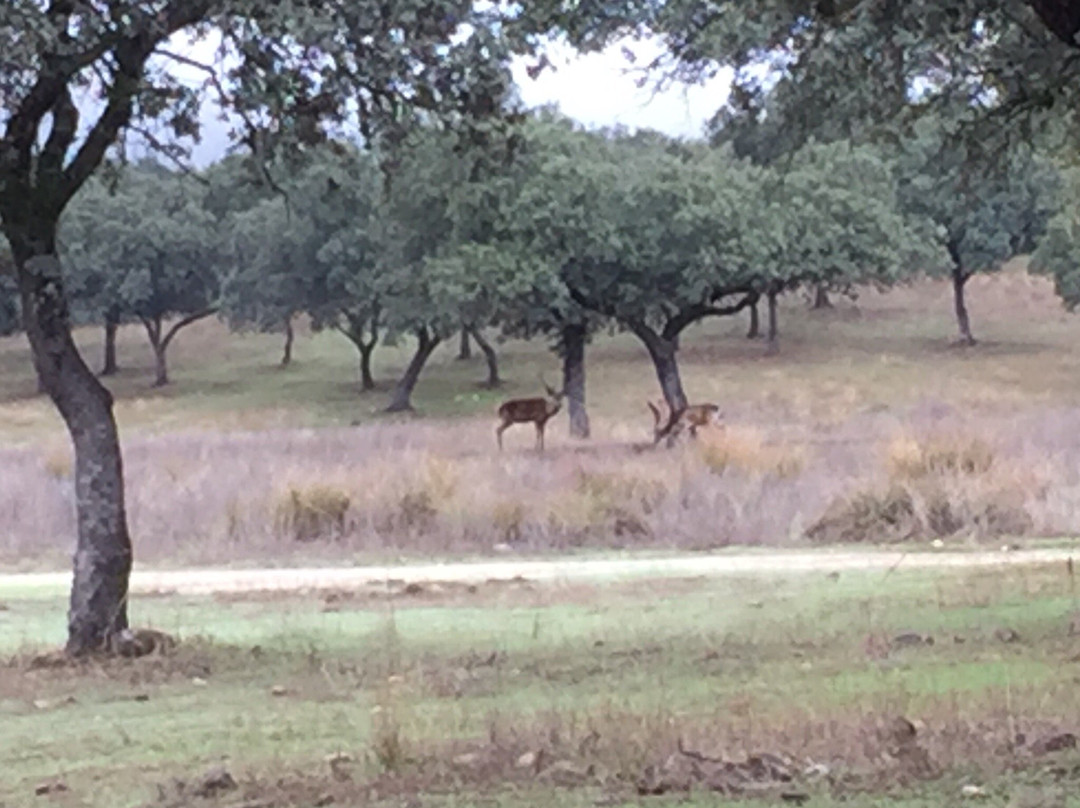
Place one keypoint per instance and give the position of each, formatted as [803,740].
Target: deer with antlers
[537,411]
[689,418]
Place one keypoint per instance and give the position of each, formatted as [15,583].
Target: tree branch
[185,321]
[700,311]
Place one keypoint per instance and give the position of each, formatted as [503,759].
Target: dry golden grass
[747,450]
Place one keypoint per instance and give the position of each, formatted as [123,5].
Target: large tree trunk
[401,401]
[290,336]
[102,559]
[573,347]
[464,347]
[963,322]
[490,357]
[773,346]
[821,297]
[755,322]
[662,352]
[112,324]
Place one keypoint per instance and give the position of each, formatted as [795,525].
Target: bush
[315,512]
[745,450]
[910,459]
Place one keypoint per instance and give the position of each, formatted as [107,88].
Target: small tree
[1058,253]
[144,251]
[836,224]
[985,211]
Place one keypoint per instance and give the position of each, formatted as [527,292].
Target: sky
[596,89]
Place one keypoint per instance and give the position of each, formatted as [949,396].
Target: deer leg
[540,436]
[498,433]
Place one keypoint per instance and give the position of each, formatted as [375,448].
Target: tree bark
[366,347]
[755,324]
[573,348]
[464,347]
[821,297]
[112,324]
[102,559]
[963,322]
[490,357]
[426,342]
[153,332]
[773,346]
[662,352]
[290,336]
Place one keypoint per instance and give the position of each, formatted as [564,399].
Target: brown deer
[689,418]
[530,410]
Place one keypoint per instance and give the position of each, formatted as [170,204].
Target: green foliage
[984,212]
[145,246]
[837,220]
[1058,254]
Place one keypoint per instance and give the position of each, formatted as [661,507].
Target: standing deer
[689,418]
[530,410]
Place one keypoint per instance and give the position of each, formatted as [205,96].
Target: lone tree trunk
[662,352]
[112,324]
[160,344]
[755,325]
[354,330]
[426,343]
[821,297]
[102,561]
[464,347]
[959,281]
[490,357]
[573,349]
[773,345]
[290,336]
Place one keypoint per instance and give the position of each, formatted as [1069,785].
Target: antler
[550,390]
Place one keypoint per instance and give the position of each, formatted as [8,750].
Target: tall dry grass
[429,487]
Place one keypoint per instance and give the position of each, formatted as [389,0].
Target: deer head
[554,399]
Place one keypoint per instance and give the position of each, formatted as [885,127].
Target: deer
[689,418]
[530,410]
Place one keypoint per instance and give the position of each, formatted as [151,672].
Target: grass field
[871,425]
[519,693]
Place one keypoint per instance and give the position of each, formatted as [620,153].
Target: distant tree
[836,223]
[144,250]
[1058,253]
[639,234]
[984,211]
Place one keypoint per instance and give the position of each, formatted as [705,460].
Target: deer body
[537,411]
[690,418]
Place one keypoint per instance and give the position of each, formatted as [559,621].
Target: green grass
[722,662]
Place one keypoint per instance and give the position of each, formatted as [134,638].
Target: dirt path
[206,581]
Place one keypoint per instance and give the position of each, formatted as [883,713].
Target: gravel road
[208,581]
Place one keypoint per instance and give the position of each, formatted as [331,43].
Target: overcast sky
[595,89]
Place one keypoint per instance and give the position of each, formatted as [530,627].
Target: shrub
[912,459]
[745,450]
[314,512]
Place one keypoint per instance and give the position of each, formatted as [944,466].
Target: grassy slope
[887,350]
[406,683]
